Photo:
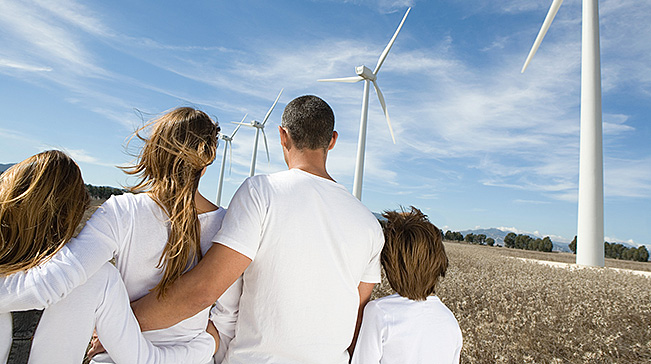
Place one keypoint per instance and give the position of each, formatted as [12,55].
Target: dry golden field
[514,311]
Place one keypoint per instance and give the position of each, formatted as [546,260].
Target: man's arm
[365,290]
[192,292]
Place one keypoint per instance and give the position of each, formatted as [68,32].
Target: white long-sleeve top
[102,302]
[133,229]
[398,330]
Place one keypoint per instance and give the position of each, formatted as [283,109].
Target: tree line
[103,192]
[620,251]
[526,242]
[511,240]
[479,239]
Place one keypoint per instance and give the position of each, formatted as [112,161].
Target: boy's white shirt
[102,302]
[397,330]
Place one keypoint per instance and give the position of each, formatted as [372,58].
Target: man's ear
[284,137]
[333,141]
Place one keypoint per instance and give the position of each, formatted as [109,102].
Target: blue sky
[478,143]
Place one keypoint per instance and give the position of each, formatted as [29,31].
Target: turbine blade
[264,136]
[230,161]
[384,54]
[384,108]
[343,79]
[553,9]
[239,125]
[245,124]
[264,121]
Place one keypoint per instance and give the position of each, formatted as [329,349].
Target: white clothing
[66,327]
[133,229]
[311,243]
[397,330]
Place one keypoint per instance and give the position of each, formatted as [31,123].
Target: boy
[413,325]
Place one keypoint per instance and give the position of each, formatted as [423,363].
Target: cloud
[82,156]
[383,6]
[627,178]
[22,66]
[531,202]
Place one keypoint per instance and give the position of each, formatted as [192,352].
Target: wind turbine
[590,227]
[368,76]
[258,127]
[228,142]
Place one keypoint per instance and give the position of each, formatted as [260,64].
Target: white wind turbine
[259,126]
[590,227]
[366,75]
[227,143]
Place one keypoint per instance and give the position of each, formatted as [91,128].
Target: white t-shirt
[311,243]
[133,229]
[397,330]
[65,328]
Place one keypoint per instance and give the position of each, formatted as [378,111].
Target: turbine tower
[368,76]
[259,126]
[590,227]
[228,140]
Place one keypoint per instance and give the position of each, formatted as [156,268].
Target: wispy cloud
[22,66]
[82,156]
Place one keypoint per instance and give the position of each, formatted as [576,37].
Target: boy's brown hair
[413,255]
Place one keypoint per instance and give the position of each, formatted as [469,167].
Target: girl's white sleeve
[368,349]
[119,332]
[54,279]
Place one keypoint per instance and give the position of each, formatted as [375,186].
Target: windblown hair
[181,144]
[309,121]
[42,200]
[413,256]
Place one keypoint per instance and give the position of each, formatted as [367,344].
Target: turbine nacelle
[365,73]
[225,137]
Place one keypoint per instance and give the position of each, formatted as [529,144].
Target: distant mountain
[4,167]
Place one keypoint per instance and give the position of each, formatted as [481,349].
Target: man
[308,251]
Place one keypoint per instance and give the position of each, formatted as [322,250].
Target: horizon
[478,143]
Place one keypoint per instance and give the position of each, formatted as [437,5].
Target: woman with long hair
[155,234]
[42,200]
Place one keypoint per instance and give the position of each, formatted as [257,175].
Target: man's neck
[310,161]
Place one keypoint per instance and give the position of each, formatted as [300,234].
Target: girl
[42,200]
[155,235]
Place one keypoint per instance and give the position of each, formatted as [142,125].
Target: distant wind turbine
[258,127]
[590,227]
[227,143]
[366,75]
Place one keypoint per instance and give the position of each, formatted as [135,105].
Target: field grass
[514,311]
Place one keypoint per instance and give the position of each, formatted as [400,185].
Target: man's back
[312,243]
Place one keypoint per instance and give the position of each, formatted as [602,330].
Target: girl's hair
[181,144]
[42,200]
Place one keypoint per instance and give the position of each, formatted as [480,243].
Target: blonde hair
[413,256]
[42,200]
[181,144]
